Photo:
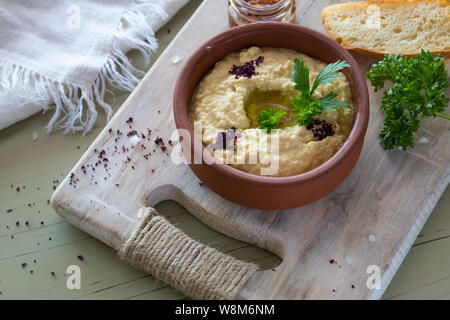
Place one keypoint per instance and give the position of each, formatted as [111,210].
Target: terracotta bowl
[265,192]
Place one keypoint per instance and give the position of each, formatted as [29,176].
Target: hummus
[223,101]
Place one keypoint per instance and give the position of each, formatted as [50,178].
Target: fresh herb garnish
[305,107]
[417,93]
[269,119]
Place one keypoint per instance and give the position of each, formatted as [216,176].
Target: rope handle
[170,255]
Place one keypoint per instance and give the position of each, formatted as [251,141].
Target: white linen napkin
[60,55]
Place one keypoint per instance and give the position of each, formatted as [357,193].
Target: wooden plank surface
[37,164]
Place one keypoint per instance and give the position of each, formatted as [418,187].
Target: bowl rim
[360,122]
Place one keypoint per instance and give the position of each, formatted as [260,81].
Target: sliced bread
[381,27]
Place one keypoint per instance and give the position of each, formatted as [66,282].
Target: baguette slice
[377,28]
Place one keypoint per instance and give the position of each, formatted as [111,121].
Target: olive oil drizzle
[262,100]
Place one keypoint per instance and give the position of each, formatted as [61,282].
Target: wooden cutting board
[372,219]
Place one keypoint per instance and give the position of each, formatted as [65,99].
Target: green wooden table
[34,234]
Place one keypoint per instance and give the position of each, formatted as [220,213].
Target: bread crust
[373,54]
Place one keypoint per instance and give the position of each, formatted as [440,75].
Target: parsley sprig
[305,107]
[269,119]
[417,93]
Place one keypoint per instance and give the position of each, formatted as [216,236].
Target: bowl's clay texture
[264,192]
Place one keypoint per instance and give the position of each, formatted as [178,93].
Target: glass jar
[249,11]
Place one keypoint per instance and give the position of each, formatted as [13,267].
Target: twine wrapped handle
[198,271]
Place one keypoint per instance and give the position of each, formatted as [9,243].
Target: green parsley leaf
[417,93]
[301,76]
[329,73]
[306,108]
[329,96]
[269,119]
[328,102]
